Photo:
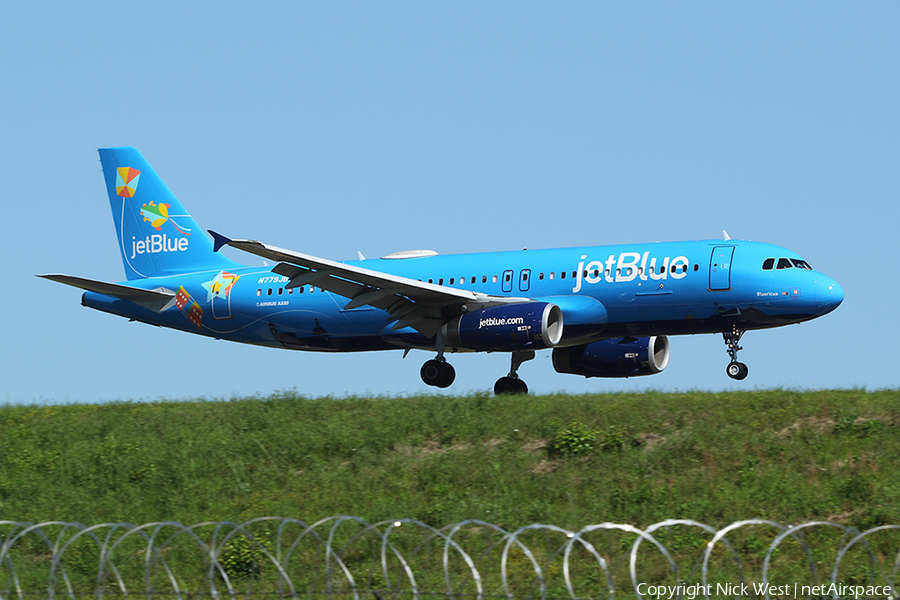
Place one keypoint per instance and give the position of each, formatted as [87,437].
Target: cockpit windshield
[785,263]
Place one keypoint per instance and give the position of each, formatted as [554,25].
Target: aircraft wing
[409,302]
[157,300]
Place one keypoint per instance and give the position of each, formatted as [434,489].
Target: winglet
[219,240]
[724,233]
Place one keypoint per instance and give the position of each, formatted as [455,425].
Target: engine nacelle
[614,358]
[527,325]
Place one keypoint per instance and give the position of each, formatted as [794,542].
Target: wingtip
[219,240]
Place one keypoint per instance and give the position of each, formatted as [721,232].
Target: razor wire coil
[349,558]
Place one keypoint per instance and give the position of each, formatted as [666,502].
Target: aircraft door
[507,281]
[720,268]
[524,280]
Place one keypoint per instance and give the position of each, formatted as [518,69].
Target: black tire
[432,372]
[737,370]
[437,373]
[449,375]
[508,385]
[504,385]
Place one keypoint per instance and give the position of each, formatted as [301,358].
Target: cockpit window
[785,263]
[801,264]
[768,264]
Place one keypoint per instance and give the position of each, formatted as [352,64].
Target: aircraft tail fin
[157,236]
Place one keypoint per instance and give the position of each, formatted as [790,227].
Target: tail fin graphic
[157,236]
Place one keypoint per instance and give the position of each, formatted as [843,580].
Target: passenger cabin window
[768,264]
[785,263]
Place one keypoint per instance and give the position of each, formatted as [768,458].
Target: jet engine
[629,357]
[523,326]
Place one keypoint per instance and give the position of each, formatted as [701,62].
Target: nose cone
[829,294]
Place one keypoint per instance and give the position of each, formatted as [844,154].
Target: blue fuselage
[605,291]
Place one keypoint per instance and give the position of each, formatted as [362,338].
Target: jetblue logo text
[156,243]
[628,266]
[493,322]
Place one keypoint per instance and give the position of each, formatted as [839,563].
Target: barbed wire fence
[347,558]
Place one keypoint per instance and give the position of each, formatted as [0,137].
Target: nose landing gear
[511,384]
[735,370]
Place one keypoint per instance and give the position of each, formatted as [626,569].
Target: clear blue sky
[332,128]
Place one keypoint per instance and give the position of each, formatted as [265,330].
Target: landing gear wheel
[508,385]
[438,373]
[737,370]
[449,376]
[511,384]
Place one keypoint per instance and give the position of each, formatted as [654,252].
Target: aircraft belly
[327,331]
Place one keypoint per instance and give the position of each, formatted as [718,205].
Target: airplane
[603,311]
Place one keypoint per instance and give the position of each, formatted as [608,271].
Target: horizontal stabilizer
[156,300]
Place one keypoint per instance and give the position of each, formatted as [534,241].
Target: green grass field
[568,460]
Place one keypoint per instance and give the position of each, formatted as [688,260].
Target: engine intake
[528,325]
[614,358]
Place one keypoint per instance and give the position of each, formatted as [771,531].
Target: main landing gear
[736,370]
[511,384]
[437,371]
